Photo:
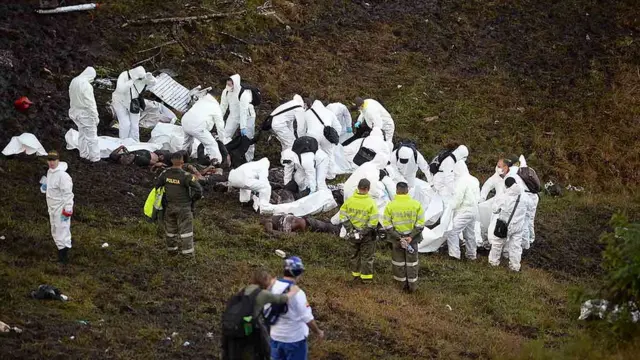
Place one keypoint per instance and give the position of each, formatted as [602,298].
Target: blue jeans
[289,351]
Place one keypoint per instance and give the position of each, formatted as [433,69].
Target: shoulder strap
[286,110]
[242,89]
[316,114]
[254,294]
[514,210]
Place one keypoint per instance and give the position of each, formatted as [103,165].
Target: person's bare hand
[320,335]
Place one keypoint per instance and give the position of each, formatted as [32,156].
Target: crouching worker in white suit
[252,176]
[198,122]
[465,207]
[288,123]
[305,167]
[59,190]
[84,113]
[129,86]
[511,207]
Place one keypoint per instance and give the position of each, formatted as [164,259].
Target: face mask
[229,88]
[499,170]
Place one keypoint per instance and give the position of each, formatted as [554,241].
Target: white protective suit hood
[264,163]
[405,152]
[236,83]
[318,105]
[382,152]
[62,166]
[298,100]
[461,153]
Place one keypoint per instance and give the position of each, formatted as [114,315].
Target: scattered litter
[588,38]
[130,194]
[4,327]
[431,118]
[66,9]
[288,28]
[22,104]
[17,330]
[399,86]
[210,335]
[245,59]
[575,188]
[48,292]
[171,92]
[167,339]
[72,337]
[6,58]
[449,307]
[27,143]
[47,71]
[104,84]
[83,322]
[281,253]
[174,334]
[2,237]
[186,343]
[105,245]
[521,109]
[598,308]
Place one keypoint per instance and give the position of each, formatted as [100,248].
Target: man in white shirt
[291,329]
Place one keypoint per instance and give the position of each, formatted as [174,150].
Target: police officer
[181,191]
[359,216]
[403,221]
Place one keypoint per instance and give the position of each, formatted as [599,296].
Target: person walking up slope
[359,216]
[403,222]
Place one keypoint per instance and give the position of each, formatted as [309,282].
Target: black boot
[63,256]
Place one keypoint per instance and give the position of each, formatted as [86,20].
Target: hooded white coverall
[199,121]
[375,141]
[84,113]
[444,179]
[60,197]
[130,83]
[344,117]
[513,172]
[529,235]
[315,129]
[405,161]
[252,176]
[309,170]
[503,207]
[241,113]
[282,125]
[375,115]
[465,211]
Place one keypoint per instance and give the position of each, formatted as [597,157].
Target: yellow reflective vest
[360,210]
[403,214]
[153,203]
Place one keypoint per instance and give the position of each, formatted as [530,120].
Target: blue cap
[294,265]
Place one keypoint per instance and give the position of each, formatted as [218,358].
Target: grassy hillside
[555,81]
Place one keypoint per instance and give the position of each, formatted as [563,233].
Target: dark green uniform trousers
[405,266]
[364,250]
[178,225]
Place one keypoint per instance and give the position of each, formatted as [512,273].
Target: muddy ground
[546,53]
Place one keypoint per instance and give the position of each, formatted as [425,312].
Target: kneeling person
[403,221]
[181,191]
[252,176]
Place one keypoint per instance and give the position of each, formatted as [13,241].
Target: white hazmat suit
[198,122]
[465,211]
[444,179]
[252,176]
[60,199]
[375,115]
[308,170]
[375,141]
[130,84]
[529,235]
[344,117]
[288,122]
[315,129]
[503,207]
[241,113]
[84,113]
[408,162]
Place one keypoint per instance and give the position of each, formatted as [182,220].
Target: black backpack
[237,319]
[305,144]
[266,125]
[434,165]
[530,178]
[410,144]
[256,96]
[329,132]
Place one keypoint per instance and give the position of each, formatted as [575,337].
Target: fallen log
[182,19]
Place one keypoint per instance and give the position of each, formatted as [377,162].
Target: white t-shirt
[292,326]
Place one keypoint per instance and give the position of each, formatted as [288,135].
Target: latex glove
[148,78]
[64,218]
[43,187]
[243,132]
[357,124]
[349,130]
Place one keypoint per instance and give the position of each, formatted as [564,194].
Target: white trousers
[329,149]
[205,137]
[513,244]
[88,142]
[464,223]
[284,134]
[238,180]
[128,123]
[529,235]
[60,230]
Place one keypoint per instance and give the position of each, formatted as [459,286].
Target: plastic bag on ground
[27,143]
[598,308]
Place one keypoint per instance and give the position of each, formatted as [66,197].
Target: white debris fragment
[2,237]
[210,335]
[174,334]
[399,86]
[588,37]
[72,338]
[449,307]
[281,253]
[186,343]
[105,245]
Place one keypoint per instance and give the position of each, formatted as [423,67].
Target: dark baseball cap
[53,155]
